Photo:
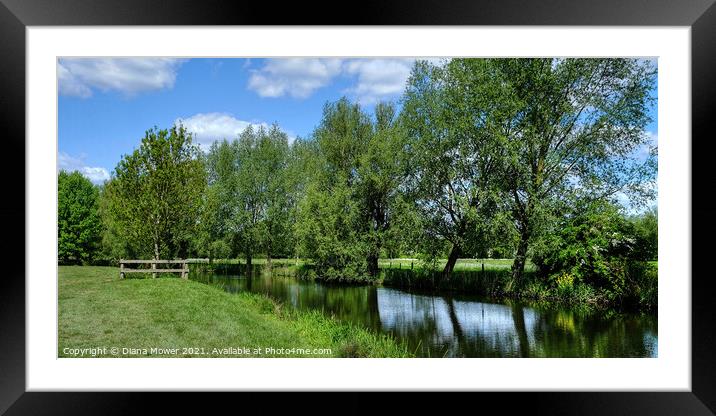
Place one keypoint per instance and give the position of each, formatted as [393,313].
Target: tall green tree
[155,197]
[456,151]
[221,200]
[272,156]
[331,222]
[380,172]
[250,199]
[342,136]
[78,221]
[345,214]
[572,128]
[328,230]
[260,220]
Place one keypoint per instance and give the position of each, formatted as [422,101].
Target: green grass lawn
[97,309]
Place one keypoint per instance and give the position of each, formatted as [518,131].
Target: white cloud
[68,84]
[296,77]
[209,127]
[376,79]
[130,76]
[69,163]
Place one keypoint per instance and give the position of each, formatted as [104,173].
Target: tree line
[507,158]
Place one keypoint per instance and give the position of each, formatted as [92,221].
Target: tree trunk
[379,226]
[268,256]
[452,259]
[373,264]
[248,264]
[518,267]
[155,235]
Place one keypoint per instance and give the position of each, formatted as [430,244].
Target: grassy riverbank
[639,291]
[97,309]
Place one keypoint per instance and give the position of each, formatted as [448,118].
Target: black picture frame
[16,15]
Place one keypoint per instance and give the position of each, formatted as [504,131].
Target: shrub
[594,246]
[643,284]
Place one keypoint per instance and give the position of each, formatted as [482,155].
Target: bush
[595,247]
[644,285]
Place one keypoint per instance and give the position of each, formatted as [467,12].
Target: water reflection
[446,326]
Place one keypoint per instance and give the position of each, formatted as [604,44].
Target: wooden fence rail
[154,270]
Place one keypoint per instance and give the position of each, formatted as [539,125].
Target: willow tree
[216,234]
[153,201]
[342,136]
[330,227]
[271,163]
[262,200]
[379,177]
[574,128]
[455,151]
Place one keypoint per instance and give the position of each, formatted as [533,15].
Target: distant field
[462,264]
[259,261]
[402,263]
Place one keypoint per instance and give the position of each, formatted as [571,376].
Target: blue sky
[106,105]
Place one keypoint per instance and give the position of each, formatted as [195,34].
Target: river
[450,325]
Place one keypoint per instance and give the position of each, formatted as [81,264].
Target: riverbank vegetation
[97,309]
[542,162]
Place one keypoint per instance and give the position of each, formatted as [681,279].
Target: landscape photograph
[356,207]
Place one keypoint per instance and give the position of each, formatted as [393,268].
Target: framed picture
[458,190]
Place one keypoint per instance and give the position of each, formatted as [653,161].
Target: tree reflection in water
[462,326]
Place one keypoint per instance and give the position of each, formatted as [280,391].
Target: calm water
[462,326]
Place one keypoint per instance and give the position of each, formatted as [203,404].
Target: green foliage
[646,228]
[564,281]
[379,174]
[644,285]
[78,222]
[249,203]
[152,204]
[455,154]
[488,282]
[349,201]
[595,246]
[342,136]
[326,229]
[572,128]
[262,215]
